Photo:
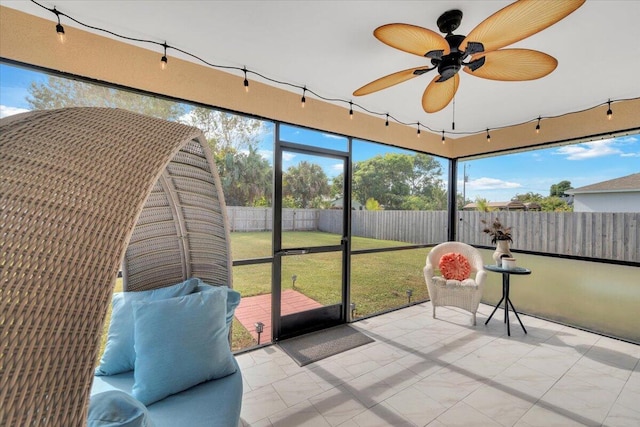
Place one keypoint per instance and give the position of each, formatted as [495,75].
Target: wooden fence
[614,236]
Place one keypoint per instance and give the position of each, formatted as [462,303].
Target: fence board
[613,236]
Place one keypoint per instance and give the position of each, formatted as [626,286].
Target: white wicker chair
[464,294]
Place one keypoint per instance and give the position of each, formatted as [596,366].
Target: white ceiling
[329,47]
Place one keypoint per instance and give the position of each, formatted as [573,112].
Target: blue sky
[494,178]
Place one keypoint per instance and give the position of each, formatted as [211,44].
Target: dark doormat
[318,345]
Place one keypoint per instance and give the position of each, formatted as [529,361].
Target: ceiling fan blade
[411,39]
[438,95]
[518,21]
[391,80]
[514,65]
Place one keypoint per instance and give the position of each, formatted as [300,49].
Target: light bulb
[351,110]
[163,63]
[488,136]
[609,112]
[60,31]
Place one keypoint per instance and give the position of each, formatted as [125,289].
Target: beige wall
[32,40]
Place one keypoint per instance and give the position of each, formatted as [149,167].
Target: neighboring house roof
[510,205]
[617,185]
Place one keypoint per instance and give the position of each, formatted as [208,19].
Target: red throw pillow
[454,266]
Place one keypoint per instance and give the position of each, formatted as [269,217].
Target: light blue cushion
[119,355]
[233,299]
[117,408]
[180,342]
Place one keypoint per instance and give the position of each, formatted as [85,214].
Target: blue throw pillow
[180,342]
[119,355]
[233,299]
[116,408]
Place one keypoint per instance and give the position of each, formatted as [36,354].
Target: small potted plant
[500,236]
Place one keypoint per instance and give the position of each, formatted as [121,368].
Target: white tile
[443,372]
[543,415]
[259,404]
[302,415]
[369,389]
[337,405]
[621,416]
[264,373]
[381,416]
[415,406]
[297,388]
[463,415]
[499,405]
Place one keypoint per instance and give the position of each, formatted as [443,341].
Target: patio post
[451,203]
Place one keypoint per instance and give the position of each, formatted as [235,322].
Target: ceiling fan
[480,53]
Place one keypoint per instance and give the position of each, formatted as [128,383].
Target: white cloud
[630,155]
[286,156]
[589,150]
[331,136]
[266,154]
[339,167]
[10,111]
[491,184]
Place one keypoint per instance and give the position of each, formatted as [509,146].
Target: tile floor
[444,372]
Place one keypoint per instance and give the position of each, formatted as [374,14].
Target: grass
[379,281]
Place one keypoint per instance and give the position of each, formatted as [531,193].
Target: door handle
[293,252]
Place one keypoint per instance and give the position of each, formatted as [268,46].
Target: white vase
[502,250]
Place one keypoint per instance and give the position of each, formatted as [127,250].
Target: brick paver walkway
[258,309]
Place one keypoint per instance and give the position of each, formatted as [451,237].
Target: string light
[488,136]
[59,27]
[246,82]
[303,100]
[163,60]
[61,35]
[418,133]
[538,125]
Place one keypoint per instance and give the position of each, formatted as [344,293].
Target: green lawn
[379,281]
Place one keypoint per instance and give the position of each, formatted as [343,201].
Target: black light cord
[305,89]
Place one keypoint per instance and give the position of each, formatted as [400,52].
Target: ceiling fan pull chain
[453,121]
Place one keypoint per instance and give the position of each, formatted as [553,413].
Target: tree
[372,205]
[59,92]
[559,189]
[555,204]
[245,175]
[392,178]
[528,197]
[337,186]
[306,183]
[224,130]
[482,205]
